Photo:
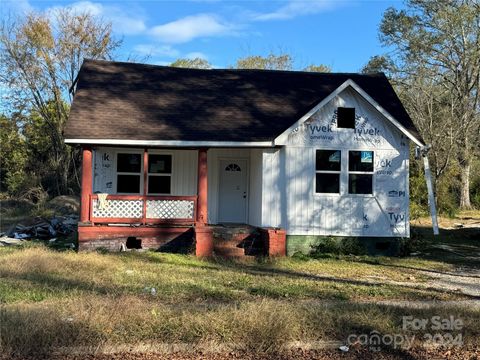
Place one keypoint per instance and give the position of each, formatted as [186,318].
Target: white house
[179,151]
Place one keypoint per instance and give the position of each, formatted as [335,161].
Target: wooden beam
[87,183]
[145,184]
[202,188]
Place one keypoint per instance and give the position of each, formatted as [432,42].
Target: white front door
[232,197]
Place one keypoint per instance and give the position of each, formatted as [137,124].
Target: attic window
[346,118]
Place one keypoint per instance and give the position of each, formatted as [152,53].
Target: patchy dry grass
[50,300]
[459,235]
[35,274]
[265,325]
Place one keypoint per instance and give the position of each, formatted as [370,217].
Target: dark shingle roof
[116,100]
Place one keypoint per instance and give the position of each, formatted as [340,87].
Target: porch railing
[131,209]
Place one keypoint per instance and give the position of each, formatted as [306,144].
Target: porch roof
[119,101]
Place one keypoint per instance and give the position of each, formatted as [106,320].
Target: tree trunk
[63,172]
[465,189]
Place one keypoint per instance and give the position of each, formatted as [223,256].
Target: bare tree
[40,57]
[437,46]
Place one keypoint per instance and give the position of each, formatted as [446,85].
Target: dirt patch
[465,219]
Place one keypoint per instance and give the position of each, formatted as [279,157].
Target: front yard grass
[36,273]
[51,299]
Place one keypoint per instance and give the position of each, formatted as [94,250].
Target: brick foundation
[203,241]
[113,237]
[232,242]
[275,241]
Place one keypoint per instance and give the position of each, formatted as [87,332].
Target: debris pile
[41,229]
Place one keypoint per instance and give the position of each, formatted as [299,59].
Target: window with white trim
[159,174]
[129,173]
[328,166]
[360,172]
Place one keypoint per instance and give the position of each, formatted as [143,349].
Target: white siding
[255,193]
[184,172]
[184,169]
[273,190]
[289,198]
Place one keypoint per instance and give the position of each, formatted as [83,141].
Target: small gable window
[346,118]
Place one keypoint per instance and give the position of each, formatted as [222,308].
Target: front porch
[180,220]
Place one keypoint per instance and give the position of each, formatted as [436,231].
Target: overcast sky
[340,34]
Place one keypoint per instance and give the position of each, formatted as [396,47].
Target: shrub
[338,246]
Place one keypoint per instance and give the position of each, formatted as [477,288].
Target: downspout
[423,152]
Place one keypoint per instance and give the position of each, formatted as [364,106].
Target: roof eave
[171,143]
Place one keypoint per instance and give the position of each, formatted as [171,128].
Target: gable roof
[120,101]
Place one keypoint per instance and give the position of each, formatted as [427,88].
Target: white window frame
[339,172]
[372,173]
[162,174]
[127,151]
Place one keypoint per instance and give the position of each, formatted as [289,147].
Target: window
[346,118]
[327,171]
[159,174]
[233,167]
[129,170]
[360,172]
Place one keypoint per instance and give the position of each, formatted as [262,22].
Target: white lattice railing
[170,209]
[143,209]
[118,209]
